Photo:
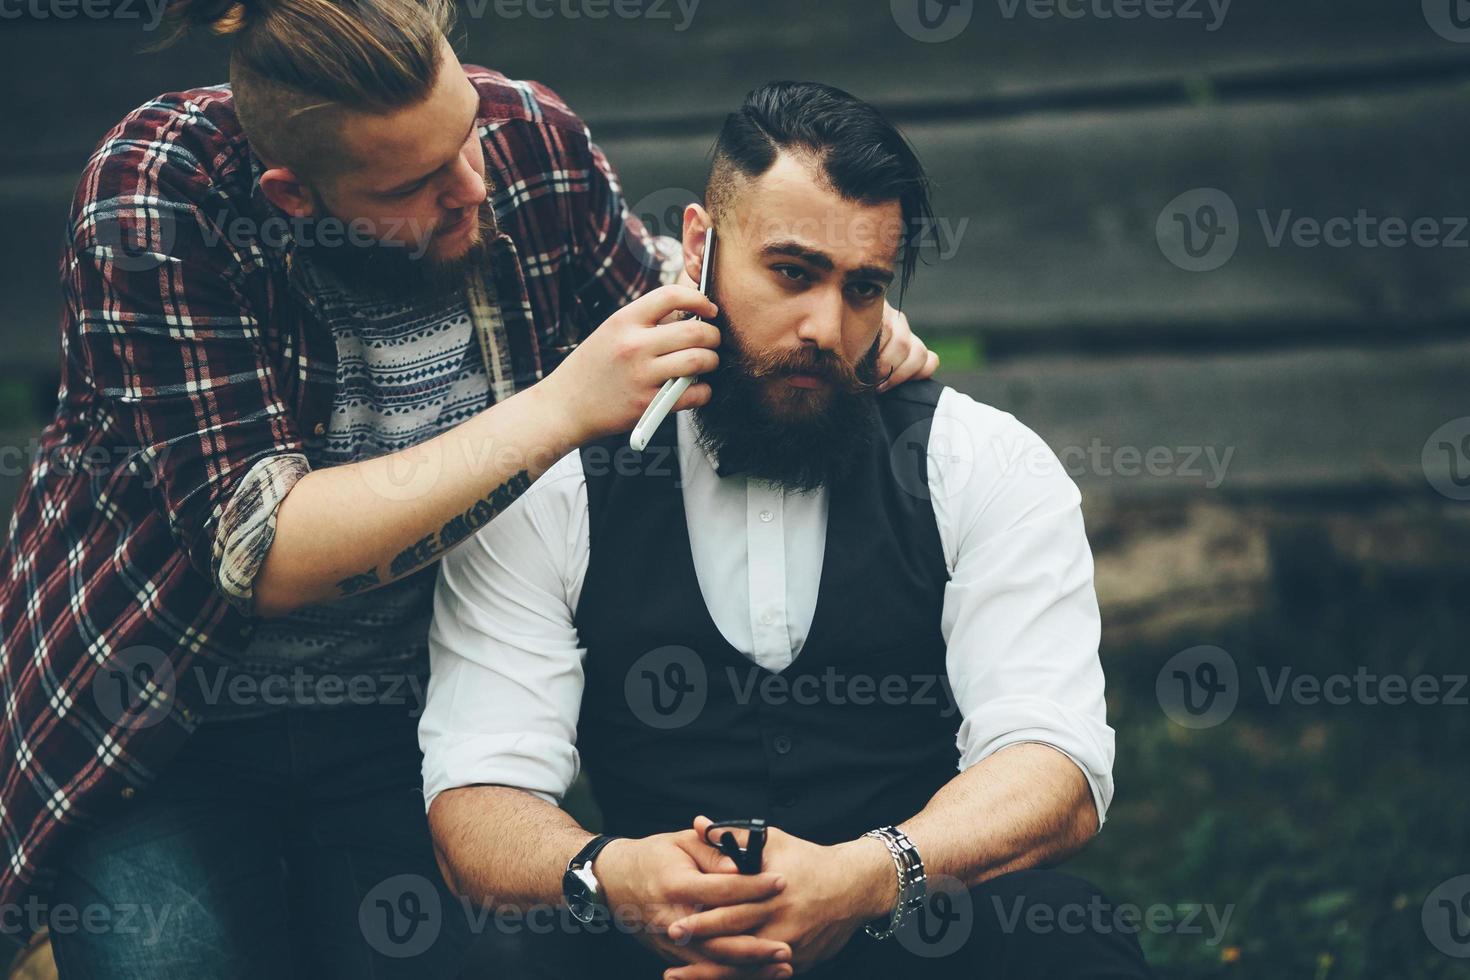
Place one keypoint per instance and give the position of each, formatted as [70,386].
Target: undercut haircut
[860,154]
[297,66]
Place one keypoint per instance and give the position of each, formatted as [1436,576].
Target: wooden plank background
[1056,144]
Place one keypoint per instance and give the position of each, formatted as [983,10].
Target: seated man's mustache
[823,364]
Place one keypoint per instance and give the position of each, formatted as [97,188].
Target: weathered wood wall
[1061,146]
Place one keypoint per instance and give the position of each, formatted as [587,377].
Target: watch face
[580,890]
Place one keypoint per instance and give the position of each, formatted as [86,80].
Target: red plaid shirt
[188,355]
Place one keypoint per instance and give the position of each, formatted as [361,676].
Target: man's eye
[793,273]
[408,191]
[867,290]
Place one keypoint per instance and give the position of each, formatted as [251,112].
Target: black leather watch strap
[589,853]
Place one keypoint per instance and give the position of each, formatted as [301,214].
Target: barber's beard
[407,271]
[800,439]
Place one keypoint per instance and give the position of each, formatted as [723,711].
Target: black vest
[858,732]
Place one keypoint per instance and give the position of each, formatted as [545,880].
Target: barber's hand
[902,352]
[604,386]
[830,893]
[656,880]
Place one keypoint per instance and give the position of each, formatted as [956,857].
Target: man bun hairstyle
[297,65]
[862,154]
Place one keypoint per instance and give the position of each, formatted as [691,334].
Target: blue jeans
[282,846]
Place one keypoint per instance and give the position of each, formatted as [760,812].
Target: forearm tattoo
[431,546]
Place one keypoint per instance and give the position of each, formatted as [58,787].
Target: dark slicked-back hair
[862,155]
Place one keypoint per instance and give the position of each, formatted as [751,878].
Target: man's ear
[288,192]
[697,221]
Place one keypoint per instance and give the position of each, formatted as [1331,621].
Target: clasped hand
[710,922]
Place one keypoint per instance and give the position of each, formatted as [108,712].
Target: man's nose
[466,190]
[822,324]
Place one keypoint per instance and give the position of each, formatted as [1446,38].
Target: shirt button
[781,744]
[767,516]
[767,618]
[320,429]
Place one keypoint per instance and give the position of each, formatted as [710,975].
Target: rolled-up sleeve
[1020,613]
[248,526]
[505,662]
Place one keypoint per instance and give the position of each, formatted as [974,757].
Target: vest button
[319,429]
[781,744]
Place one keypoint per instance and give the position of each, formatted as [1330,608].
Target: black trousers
[1027,925]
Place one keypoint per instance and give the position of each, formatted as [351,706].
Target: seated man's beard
[798,438]
[387,270]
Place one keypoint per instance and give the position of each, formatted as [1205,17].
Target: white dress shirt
[1020,617]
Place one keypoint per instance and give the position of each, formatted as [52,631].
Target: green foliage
[15,403]
[958,353]
[1321,828]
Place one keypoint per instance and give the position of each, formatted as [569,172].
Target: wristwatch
[579,886]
